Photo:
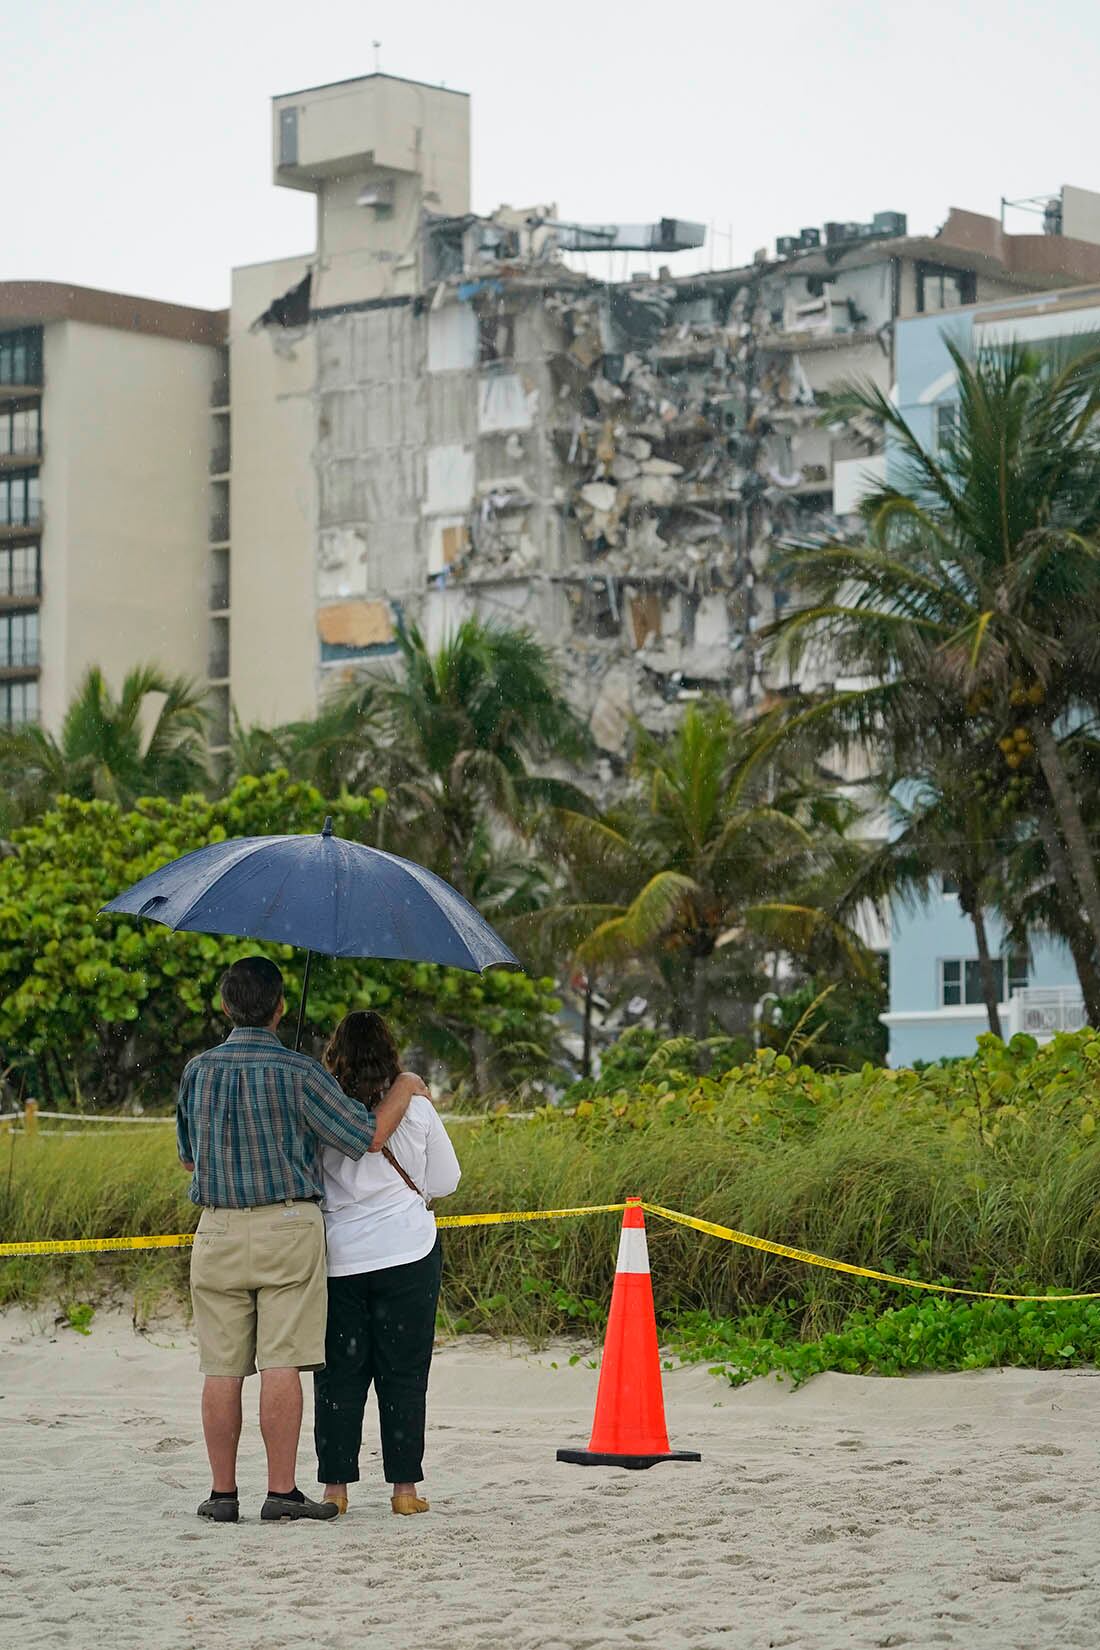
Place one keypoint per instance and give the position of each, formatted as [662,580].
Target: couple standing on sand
[290,1162]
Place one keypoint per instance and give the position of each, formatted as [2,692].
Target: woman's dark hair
[363,1057]
[251,991]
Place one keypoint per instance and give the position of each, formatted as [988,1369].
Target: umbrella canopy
[323,893]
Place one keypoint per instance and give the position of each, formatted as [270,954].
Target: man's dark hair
[251,990]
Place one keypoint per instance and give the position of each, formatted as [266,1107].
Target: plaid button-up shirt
[253,1116]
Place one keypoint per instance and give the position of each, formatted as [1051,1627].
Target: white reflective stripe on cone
[633,1250]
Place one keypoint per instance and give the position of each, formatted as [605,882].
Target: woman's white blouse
[372,1219]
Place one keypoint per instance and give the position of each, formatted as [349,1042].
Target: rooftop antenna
[377,44]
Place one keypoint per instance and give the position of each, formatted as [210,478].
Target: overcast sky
[137,132]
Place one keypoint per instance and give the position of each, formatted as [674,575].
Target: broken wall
[609,465]
[372,422]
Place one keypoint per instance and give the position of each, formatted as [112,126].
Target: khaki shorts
[259,1290]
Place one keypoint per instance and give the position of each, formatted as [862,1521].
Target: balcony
[19,448]
[219,528]
[21,524]
[18,661]
[219,597]
[219,460]
[21,593]
[20,394]
[1043,1011]
[217,667]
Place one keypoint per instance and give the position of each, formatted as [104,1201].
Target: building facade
[935,994]
[105,444]
[435,414]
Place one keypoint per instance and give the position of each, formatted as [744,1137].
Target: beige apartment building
[106,436]
[432,413]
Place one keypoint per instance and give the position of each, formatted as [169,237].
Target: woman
[384,1267]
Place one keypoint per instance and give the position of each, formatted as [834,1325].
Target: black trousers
[381,1326]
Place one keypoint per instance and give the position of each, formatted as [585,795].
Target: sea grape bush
[1002,1091]
[930,1334]
[111,1007]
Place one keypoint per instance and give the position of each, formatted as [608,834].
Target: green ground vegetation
[984,1174]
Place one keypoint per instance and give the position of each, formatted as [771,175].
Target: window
[961,979]
[288,137]
[950,886]
[947,423]
[20,432]
[21,356]
[496,336]
[939,288]
[19,571]
[20,501]
[18,703]
[18,641]
[1017,973]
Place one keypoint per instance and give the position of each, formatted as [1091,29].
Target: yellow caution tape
[810,1259]
[97,1246]
[184,1240]
[527,1214]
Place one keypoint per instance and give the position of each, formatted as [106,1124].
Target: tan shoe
[404,1505]
[340,1502]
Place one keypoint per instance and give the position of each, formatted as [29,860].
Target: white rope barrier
[99,1117]
[13,1119]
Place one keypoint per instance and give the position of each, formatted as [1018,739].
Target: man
[251,1122]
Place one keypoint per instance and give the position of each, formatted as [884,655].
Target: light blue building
[936,1006]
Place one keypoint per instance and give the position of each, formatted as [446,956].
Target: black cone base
[590,1458]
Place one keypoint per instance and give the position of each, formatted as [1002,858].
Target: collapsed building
[445,415]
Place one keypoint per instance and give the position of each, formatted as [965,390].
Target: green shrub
[112,1007]
[925,1335]
[985,1175]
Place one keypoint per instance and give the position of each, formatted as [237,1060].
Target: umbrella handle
[302,1002]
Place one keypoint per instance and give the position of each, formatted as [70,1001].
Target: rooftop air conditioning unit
[810,237]
[786,245]
[890,223]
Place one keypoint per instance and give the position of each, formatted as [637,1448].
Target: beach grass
[911,1195]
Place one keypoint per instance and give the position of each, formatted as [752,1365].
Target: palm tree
[944,828]
[453,738]
[462,731]
[973,608]
[707,854]
[149,741]
[336,750]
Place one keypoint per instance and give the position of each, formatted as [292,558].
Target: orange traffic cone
[629,1429]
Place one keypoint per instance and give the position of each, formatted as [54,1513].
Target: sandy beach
[955,1510]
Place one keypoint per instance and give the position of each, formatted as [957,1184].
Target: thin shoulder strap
[409,1181]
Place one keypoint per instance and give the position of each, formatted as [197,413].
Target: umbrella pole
[302,1001]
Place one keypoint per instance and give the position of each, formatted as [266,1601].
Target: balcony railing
[27,589]
[219,528]
[19,658]
[23,515]
[20,443]
[219,597]
[219,460]
[1043,1010]
[217,668]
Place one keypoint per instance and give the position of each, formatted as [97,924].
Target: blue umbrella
[323,893]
